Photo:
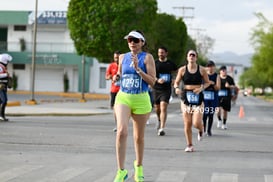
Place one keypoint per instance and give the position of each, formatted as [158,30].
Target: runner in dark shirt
[163,87]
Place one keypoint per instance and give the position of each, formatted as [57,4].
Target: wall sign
[48,17]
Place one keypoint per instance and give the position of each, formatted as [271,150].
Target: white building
[55,54]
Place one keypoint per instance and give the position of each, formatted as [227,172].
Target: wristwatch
[138,71]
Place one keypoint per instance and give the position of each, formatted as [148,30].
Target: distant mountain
[232,58]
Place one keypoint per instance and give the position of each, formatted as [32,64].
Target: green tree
[262,61]
[251,77]
[97,27]
[171,33]
[190,44]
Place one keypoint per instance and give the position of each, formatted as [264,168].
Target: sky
[228,22]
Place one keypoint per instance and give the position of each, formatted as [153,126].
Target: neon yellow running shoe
[121,176]
[139,177]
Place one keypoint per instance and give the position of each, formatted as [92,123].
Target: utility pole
[184,9]
[32,100]
[197,32]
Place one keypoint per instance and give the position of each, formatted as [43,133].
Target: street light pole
[32,101]
[83,79]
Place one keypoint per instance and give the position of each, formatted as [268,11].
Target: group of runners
[135,74]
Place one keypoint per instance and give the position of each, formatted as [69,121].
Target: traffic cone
[241,112]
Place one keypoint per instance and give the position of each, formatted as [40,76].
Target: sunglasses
[192,54]
[135,40]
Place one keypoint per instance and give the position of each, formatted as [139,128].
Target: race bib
[131,83]
[166,77]
[222,93]
[192,97]
[208,95]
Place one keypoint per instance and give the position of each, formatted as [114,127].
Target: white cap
[136,35]
[5,58]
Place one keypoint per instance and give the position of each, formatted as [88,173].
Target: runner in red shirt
[110,74]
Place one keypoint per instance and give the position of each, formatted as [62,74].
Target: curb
[65,94]
[13,103]
[55,114]
[65,97]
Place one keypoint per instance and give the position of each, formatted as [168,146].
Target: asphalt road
[82,149]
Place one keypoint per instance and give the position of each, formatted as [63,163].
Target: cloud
[229,35]
[253,4]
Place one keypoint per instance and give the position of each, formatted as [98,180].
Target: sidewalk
[57,104]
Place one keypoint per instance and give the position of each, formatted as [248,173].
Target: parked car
[245,93]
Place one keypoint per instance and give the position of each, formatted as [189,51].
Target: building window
[20,28]
[18,66]
[102,83]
